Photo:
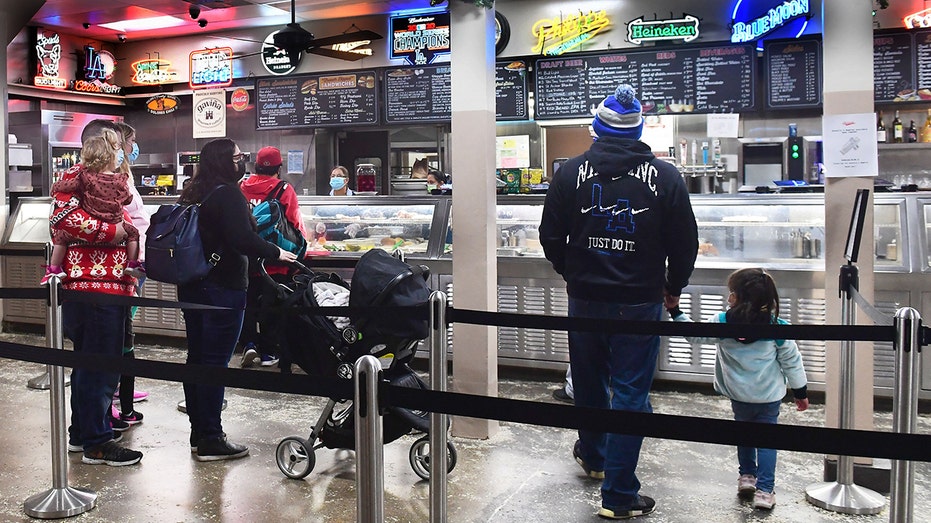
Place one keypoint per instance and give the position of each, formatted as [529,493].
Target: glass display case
[28,225]
[27,231]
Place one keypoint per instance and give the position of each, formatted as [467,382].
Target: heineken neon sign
[640,31]
[773,19]
[556,36]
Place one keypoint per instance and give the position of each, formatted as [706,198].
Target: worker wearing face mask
[339,182]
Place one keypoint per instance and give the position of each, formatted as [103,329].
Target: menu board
[334,99]
[793,73]
[511,90]
[893,69]
[418,94]
[698,79]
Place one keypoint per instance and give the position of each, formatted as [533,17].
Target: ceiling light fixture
[143,24]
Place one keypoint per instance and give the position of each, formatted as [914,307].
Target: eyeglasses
[237,157]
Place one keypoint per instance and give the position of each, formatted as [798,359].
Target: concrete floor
[524,473]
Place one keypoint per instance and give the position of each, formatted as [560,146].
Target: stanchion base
[60,503]
[846,499]
[43,382]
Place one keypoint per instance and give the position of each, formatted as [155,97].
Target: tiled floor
[523,473]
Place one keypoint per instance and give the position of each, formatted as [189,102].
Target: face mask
[120,155]
[337,183]
[431,187]
[241,167]
[134,154]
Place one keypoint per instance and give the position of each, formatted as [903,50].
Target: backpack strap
[275,194]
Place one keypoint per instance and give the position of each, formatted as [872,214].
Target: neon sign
[152,71]
[420,39]
[211,68]
[556,36]
[919,19]
[773,19]
[685,29]
[354,47]
[48,52]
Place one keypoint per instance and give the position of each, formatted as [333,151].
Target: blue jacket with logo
[618,224]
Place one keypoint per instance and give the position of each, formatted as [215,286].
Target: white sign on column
[210,113]
[850,145]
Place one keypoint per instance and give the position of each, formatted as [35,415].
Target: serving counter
[780,232]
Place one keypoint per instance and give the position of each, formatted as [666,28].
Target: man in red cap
[263,342]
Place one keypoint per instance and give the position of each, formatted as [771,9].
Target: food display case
[27,231]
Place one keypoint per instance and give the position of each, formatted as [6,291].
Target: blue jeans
[613,371]
[211,336]
[94,329]
[757,462]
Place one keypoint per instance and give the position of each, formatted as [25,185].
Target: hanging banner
[210,113]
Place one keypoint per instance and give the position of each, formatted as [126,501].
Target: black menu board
[418,94]
[893,67]
[793,73]
[698,79]
[343,98]
[511,90]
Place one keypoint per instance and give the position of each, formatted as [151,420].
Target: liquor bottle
[926,130]
[881,135]
[898,132]
[912,133]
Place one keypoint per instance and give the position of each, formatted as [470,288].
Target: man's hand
[670,301]
[119,234]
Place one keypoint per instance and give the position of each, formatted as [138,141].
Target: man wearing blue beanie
[618,226]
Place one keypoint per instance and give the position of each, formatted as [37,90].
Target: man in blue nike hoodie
[618,226]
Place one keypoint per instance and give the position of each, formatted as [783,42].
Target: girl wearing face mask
[339,182]
[228,230]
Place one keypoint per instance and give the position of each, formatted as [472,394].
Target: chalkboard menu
[511,90]
[793,73]
[699,79]
[418,94]
[893,67]
[335,99]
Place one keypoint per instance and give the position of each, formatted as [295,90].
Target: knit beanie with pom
[619,115]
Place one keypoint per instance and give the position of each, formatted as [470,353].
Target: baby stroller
[322,345]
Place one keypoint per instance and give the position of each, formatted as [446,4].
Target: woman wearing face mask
[339,182]
[228,229]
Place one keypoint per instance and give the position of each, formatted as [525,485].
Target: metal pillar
[843,495]
[905,409]
[60,501]
[438,421]
[370,452]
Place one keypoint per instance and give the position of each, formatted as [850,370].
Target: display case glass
[29,223]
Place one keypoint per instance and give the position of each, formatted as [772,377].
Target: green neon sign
[640,31]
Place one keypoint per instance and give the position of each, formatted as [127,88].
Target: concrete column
[475,270]
[848,88]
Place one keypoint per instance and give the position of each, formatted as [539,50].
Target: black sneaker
[577,454]
[217,449]
[561,395]
[111,454]
[645,505]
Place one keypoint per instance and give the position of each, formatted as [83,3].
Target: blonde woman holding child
[753,373]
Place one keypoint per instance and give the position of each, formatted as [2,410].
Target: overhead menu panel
[418,94]
[793,73]
[335,99]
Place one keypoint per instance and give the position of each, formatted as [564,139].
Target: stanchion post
[843,495]
[43,381]
[905,409]
[439,461]
[370,458]
[60,501]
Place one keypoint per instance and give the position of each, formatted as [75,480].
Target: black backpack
[273,225]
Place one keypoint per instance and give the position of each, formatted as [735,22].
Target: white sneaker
[764,500]
[746,485]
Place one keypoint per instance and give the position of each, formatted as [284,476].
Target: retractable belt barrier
[685,428]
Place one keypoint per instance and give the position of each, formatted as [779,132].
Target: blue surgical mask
[120,156]
[134,154]
[337,183]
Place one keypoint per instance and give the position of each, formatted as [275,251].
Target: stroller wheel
[295,457]
[419,456]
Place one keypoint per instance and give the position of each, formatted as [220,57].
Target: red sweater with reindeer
[94,263]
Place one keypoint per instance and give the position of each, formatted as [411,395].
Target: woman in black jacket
[226,228]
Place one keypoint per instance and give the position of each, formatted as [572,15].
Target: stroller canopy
[383,280]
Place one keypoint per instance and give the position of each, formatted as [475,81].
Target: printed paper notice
[295,161]
[850,145]
[723,125]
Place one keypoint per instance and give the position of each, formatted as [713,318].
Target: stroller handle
[282,288]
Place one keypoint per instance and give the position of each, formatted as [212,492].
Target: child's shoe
[764,500]
[52,270]
[138,395]
[132,418]
[746,486]
[135,268]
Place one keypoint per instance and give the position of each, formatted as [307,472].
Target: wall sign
[98,68]
[239,100]
[640,31]
[556,36]
[420,39]
[275,59]
[919,19]
[761,24]
[48,54]
[211,68]
[210,113]
[152,72]
[162,104]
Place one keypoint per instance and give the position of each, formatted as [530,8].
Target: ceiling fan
[294,39]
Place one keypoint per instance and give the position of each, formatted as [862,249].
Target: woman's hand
[286,256]
[802,404]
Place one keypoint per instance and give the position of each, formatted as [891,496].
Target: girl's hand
[286,256]
[802,404]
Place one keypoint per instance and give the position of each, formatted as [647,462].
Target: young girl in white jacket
[753,373]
